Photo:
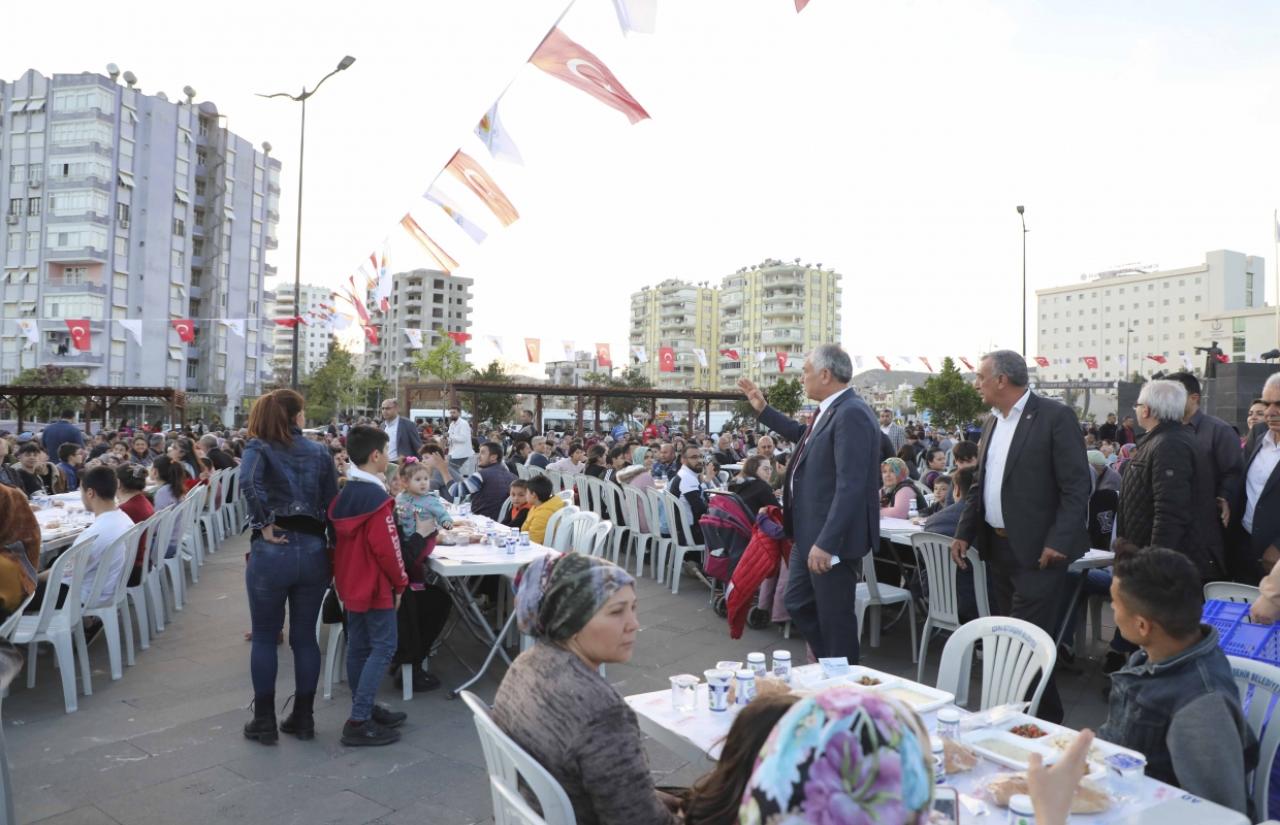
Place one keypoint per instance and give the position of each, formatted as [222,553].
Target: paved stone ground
[163,744]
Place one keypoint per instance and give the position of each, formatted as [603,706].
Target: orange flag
[532,348]
[411,226]
[602,355]
[464,167]
[565,59]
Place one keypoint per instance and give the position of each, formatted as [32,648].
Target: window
[33,206]
[77,202]
[73,275]
[81,167]
[73,132]
[83,100]
[122,212]
[15,206]
[179,227]
[15,241]
[202,156]
[199,188]
[33,241]
[17,174]
[177,259]
[203,128]
[73,306]
[77,237]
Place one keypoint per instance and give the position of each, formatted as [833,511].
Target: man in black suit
[403,436]
[1261,500]
[831,500]
[1028,507]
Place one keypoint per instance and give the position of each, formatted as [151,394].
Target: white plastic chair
[635,541]
[566,496]
[210,521]
[11,624]
[557,480]
[505,510]
[586,492]
[148,597]
[664,543]
[60,627]
[113,611]
[1231,592]
[559,535]
[508,763]
[870,593]
[599,539]
[582,529]
[232,512]
[678,513]
[137,594]
[1014,653]
[614,511]
[934,554]
[1259,686]
[331,668]
[509,808]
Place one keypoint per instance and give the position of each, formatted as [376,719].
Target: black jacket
[755,493]
[1157,495]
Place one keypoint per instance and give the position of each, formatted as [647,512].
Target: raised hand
[754,396]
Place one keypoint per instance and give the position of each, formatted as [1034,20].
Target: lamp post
[343,65]
[1022,216]
[1128,336]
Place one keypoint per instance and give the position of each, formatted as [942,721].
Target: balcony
[272,243]
[88,254]
[783,292]
[77,217]
[55,287]
[54,356]
[730,299]
[93,147]
[779,309]
[782,336]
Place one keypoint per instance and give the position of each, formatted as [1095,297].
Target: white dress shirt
[997,455]
[354,473]
[1264,464]
[460,439]
[392,429]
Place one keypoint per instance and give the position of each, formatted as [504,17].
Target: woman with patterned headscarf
[581,612]
[898,490]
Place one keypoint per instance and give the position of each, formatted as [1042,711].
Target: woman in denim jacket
[288,482]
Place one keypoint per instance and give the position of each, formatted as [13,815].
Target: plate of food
[1008,749]
[1089,798]
[921,698]
[866,677]
[1060,738]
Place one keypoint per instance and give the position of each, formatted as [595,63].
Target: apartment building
[429,300]
[314,338]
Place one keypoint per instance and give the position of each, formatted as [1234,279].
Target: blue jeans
[371,644]
[296,574]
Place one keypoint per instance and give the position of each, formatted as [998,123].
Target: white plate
[982,741]
[931,698]
[1059,737]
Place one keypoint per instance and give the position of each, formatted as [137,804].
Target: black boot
[262,728]
[301,722]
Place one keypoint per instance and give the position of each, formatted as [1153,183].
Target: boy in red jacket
[369,574]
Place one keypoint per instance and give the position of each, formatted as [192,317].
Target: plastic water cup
[511,545]
[782,665]
[464,509]
[1125,772]
[718,689]
[755,663]
[684,693]
[524,539]
[746,684]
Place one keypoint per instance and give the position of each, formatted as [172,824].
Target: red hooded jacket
[769,549]
[368,569]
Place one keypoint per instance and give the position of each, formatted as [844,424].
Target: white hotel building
[1164,313]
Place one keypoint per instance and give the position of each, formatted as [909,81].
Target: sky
[891,141]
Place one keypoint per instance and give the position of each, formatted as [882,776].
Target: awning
[175,353]
[126,179]
[36,105]
[17,106]
[181,197]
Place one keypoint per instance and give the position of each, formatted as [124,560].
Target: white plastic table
[698,736]
[71,519]
[454,564]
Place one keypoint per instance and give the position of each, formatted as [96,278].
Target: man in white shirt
[402,436]
[460,449]
[98,493]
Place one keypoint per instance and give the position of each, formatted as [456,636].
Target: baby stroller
[726,531]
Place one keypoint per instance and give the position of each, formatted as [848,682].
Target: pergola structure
[98,401]
[456,392]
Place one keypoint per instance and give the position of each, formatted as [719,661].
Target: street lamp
[1128,336]
[343,65]
[1023,218]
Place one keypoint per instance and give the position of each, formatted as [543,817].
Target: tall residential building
[573,372]
[126,206]
[1132,313]
[313,339]
[757,312]
[435,302]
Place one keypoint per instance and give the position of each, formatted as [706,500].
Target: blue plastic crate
[1237,636]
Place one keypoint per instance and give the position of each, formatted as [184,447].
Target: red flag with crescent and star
[800,4]
[80,334]
[185,328]
[1091,361]
[966,363]
[731,354]
[1159,359]
[926,363]
[561,57]
[1042,361]
[884,362]
[460,338]
[602,356]
[666,359]
[782,361]
[464,167]
[291,322]
[371,334]
[1223,358]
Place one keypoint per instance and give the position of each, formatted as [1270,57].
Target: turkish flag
[602,356]
[966,363]
[884,362]
[800,4]
[371,334]
[731,354]
[561,57]
[926,363]
[1042,361]
[464,167]
[1091,361]
[782,361]
[460,338]
[533,349]
[1159,359]
[289,322]
[666,359]
[185,328]
[1223,359]
[80,334]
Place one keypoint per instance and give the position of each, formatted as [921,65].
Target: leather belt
[1001,532]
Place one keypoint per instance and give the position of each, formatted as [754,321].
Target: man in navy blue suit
[830,500]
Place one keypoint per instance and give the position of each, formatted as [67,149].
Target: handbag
[17,577]
[331,608]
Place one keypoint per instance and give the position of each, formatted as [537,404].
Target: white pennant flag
[701,355]
[236,325]
[1124,362]
[761,357]
[906,360]
[639,354]
[496,342]
[857,360]
[495,137]
[134,327]
[341,322]
[415,338]
[637,15]
[569,350]
[1186,362]
[31,329]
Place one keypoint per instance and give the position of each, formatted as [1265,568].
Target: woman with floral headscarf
[898,491]
[581,612]
[1125,456]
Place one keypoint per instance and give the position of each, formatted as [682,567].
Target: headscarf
[844,755]
[1126,453]
[556,597]
[899,467]
[637,455]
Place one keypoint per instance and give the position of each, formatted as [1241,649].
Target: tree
[48,376]
[334,387]
[622,407]
[444,361]
[948,397]
[786,395]
[492,408]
